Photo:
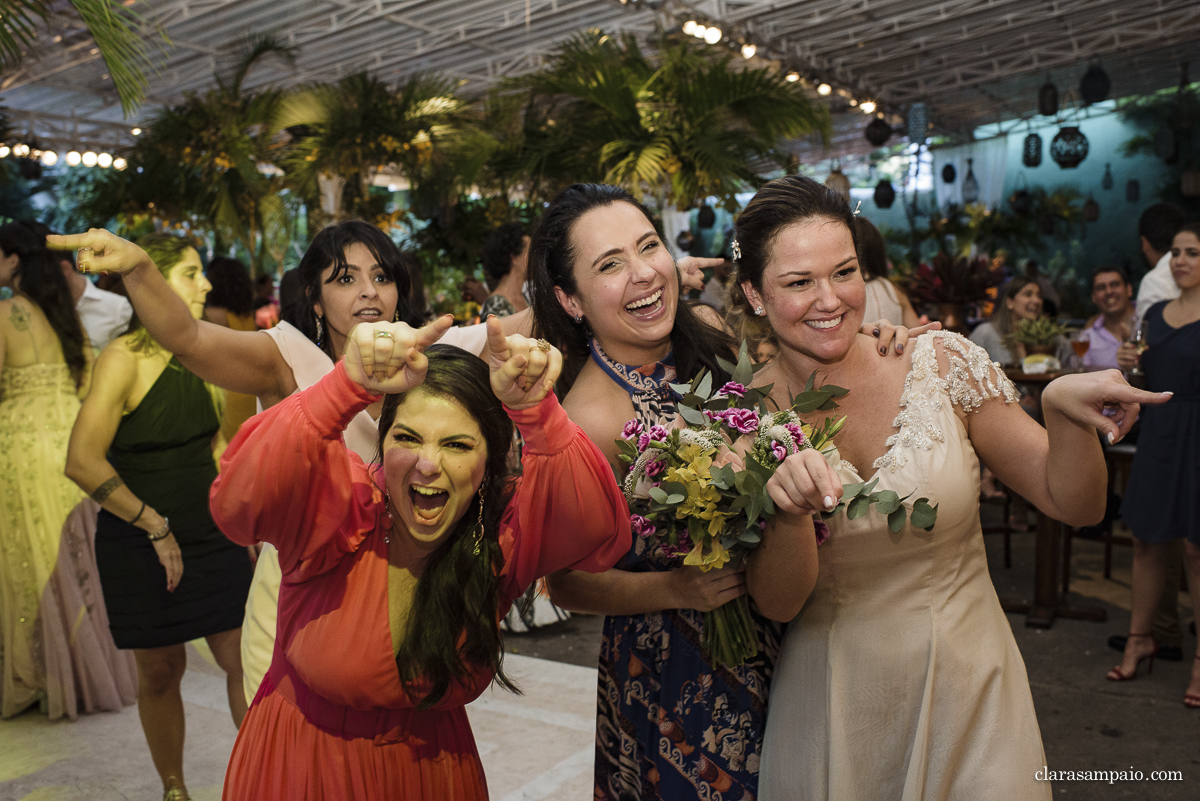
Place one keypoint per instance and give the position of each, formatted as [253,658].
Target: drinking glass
[1139,337]
[1080,344]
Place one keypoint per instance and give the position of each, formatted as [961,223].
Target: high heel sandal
[1116,675]
[176,791]
[1192,700]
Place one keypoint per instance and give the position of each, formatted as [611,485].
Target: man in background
[1112,295]
[1156,229]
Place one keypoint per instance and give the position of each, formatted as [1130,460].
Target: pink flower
[822,530]
[657,434]
[779,451]
[732,388]
[744,421]
[641,526]
[632,429]
[797,434]
[654,467]
[643,441]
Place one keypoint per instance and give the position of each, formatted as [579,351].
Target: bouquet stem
[729,636]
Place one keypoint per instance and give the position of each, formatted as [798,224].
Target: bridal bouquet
[700,490]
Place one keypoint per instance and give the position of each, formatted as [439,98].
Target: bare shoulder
[598,406]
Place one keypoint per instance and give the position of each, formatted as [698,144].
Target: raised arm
[87,465]
[241,361]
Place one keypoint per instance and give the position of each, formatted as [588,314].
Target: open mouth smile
[428,503]
[647,305]
[371,315]
[821,325]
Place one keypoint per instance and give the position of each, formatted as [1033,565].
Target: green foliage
[115,27]
[684,126]
[1039,331]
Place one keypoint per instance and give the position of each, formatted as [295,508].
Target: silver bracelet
[162,532]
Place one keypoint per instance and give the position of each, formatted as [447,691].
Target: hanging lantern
[970,186]
[1107,182]
[1094,85]
[949,174]
[878,131]
[838,182]
[1021,202]
[1133,191]
[1048,99]
[1069,147]
[1091,209]
[885,194]
[1031,151]
[918,122]
[1189,183]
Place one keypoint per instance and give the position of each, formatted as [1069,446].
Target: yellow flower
[715,558]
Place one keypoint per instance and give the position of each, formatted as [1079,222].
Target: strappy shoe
[175,791]
[1192,700]
[1117,675]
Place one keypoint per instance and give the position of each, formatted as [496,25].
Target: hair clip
[856,208]
[736,249]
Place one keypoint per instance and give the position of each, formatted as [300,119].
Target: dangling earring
[479,521]
[396,316]
[578,320]
[387,507]
[320,331]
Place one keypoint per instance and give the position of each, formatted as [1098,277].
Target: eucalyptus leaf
[705,388]
[886,502]
[858,507]
[851,491]
[657,494]
[751,536]
[692,416]
[923,515]
[896,519]
[726,365]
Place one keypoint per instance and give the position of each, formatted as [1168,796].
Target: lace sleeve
[944,365]
[964,370]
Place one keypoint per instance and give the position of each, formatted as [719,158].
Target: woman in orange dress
[395,575]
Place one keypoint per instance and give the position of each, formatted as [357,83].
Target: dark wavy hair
[498,251]
[328,248]
[780,203]
[42,281]
[231,286]
[694,343]
[872,250]
[456,628]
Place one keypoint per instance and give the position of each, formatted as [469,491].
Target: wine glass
[1139,338]
[1080,344]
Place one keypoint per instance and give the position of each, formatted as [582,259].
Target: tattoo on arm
[101,493]
[19,318]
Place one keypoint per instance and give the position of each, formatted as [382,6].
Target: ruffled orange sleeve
[568,511]
[289,479]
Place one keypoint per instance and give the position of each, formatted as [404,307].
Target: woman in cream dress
[900,680]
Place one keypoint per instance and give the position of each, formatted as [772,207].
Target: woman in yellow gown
[55,647]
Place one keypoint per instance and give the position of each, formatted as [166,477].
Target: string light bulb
[868,106]
[824,89]
[20,150]
[104,160]
[712,35]
[120,163]
[73,158]
[792,77]
[689,27]
[748,51]
[89,159]
[699,31]
[4,151]
[49,158]
[136,131]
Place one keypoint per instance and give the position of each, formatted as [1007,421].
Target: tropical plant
[682,127]
[1040,331]
[947,279]
[351,129]
[212,162]
[115,27]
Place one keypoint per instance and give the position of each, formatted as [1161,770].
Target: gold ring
[542,344]
[384,335]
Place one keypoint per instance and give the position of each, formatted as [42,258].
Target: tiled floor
[534,746]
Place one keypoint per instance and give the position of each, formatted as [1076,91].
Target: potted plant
[951,283]
[1038,341]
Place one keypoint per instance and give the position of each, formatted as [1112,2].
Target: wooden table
[1048,602]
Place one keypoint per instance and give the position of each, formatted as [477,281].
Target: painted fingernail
[899,349]
[1111,438]
[829,502]
[875,333]
[1167,393]
[883,351]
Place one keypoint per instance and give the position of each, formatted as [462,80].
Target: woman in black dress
[142,447]
[1161,502]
